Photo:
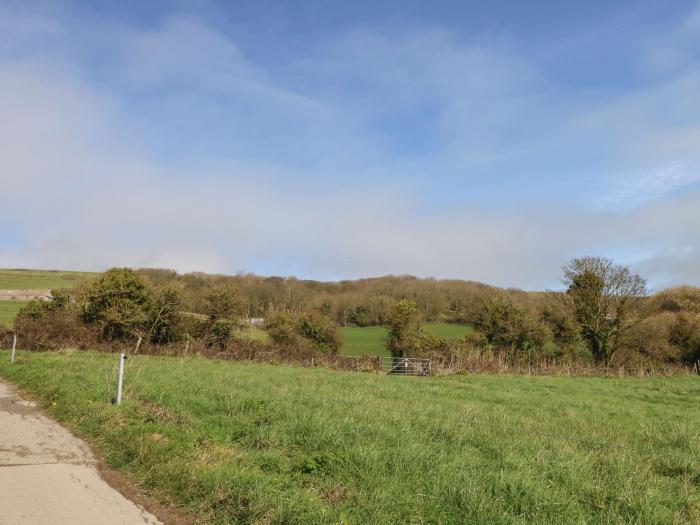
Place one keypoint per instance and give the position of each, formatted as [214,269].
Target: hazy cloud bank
[421,153]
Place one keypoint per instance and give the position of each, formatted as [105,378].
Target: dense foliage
[305,329]
[604,316]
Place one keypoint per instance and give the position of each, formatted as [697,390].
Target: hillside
[251,443]
[17,285]
[18,279]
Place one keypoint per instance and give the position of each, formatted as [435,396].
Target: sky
[482,140]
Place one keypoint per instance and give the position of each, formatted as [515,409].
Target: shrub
[506,326]
[651,340]
[679,299]
[118,303]
[164,316]
[566,333]
[282,329]
[222,302]
[53,329]
[320,330]
[685,335]
[404,329]
[307,329]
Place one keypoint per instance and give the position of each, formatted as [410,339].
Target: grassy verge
[253,443]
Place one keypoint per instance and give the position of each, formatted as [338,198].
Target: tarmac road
[50,477]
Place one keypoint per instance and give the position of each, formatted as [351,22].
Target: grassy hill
[254,443]
[32,280]
[39,279]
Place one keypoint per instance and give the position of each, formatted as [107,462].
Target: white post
[122,358]
[14,345]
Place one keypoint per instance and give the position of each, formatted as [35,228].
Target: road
[50,477]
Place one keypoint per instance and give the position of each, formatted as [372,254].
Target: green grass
[39,279]
[8,312]
[368,340]
[254,443]
[449,330]
[371,340]
[253,333]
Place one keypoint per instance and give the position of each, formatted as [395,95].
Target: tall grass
[239,442]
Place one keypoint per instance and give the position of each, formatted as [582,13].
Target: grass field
[8,312]
[253,443]
[39,279]
[32,280]
[371,340]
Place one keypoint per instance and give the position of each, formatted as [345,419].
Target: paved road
[49,477]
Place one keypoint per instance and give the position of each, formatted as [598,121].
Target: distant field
[40,279]
[253,333]
[371,340]
[239,442]
[8,312]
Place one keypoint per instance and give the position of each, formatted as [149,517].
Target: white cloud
[85,188]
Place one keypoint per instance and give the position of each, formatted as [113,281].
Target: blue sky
[480,140]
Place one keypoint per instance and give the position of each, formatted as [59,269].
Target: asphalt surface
[48,476]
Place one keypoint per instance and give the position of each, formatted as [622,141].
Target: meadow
[371,340]
[238,442]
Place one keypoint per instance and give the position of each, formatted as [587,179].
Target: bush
[506,326]
[282,329]
[222,302]
[679,299]
[566,333]
[118,303]
[54,329]
[320,330]
[651,340]
[308,329]
[404,329]
[164,316]
[685,335]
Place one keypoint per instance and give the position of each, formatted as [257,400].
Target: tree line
[604,314]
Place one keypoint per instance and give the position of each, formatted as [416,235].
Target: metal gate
[408,366]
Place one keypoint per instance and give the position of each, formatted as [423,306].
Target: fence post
[14,345]
[120,378]
[381,366]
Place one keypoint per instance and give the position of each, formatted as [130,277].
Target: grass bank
[252,443]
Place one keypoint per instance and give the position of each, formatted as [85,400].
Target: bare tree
[605,299]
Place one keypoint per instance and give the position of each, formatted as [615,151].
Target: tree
[507,326]
[404,329]
[605,300]
[224,308]
[165,314]
[222,302]
[118,302]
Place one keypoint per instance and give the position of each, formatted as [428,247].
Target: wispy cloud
[420,152]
